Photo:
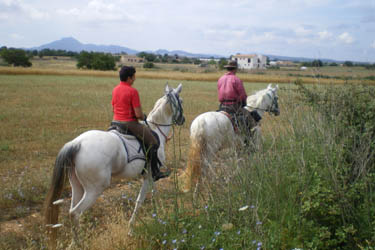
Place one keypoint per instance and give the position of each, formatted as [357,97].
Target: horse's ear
[167,89]
[179,88]
[269,86]
[277,87]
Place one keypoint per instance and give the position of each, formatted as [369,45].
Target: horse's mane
[257,98]
[156,112]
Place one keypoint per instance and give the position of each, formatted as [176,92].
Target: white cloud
[346,38]
[373,44]
[19,8]
[16,36]
[302,31]
[98,10]
[324,35]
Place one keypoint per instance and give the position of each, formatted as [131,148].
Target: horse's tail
[64,163]
[193,170]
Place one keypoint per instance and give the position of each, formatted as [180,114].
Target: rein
[268,109]
[176,108]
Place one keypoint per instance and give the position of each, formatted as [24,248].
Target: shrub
[15,57]
[148,65]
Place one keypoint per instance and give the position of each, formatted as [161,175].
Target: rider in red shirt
[127,111]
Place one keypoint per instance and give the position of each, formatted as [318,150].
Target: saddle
[132,153]
[238,119]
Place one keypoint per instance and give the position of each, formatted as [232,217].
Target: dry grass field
[39,113]
[43,107]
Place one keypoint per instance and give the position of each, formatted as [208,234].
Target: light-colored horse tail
[193,171]
[64,164]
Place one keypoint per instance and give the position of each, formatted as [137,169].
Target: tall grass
[297,192]
[293,193]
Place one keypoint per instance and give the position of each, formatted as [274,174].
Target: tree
[15,57]
[95,60]
[148,65]
[222,62]
[317,63]
[348,64]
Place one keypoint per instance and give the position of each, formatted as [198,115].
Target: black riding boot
[156,173]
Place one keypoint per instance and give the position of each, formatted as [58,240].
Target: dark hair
[125,72]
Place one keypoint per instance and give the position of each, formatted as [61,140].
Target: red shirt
[124,99]
[230,89]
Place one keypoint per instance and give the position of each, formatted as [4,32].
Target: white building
[252,61]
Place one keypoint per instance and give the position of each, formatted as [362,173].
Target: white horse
[92,158]
[212,131]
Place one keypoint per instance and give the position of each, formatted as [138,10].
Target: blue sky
[334,29]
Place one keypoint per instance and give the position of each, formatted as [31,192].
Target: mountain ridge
[72,44]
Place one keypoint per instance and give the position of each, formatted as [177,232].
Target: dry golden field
[43,107]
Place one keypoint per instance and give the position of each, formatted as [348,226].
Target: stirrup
[160,175]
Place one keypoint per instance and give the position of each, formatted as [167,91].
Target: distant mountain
[300,59]
[71,44]
[184,53]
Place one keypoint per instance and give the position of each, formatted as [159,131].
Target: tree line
[107,61]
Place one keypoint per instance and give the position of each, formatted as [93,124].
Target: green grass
[280,185]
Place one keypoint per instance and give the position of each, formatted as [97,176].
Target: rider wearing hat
[232,97]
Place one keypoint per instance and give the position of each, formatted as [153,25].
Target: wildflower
[184,231]
[254,242]
[259,244]
[213,239]
[259,223]
[252,206]
[243,208]
[183,240]
[174,241]
[203,247]
[124,196]
[153,215]
[165,234]
[205,207]
[200,226]
[239,232]
[164,241]
[217,233]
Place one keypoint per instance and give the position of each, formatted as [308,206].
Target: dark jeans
[242,116]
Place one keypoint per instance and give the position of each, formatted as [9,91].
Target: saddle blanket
[132,146]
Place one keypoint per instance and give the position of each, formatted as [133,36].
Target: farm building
[252,61]
[130,59]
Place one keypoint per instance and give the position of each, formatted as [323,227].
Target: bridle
[274,106]
[177,117]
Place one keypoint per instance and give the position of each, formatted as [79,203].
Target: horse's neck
[257,102]
[160,115]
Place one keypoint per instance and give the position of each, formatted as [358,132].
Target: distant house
[130,59]
[252,61]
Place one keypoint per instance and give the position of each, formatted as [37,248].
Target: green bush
[15,57]
[148,65]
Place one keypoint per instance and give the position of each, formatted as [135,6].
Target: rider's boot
[156,173]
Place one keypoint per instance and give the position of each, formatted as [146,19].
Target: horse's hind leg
[77,189]
[77,195]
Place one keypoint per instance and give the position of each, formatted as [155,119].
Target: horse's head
[176,103]
[265,100]
[274,99]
